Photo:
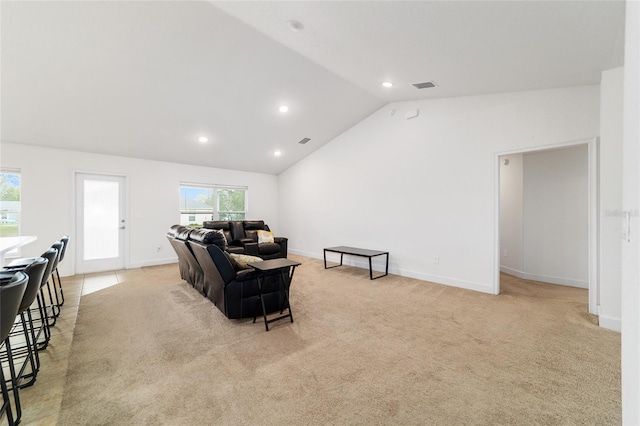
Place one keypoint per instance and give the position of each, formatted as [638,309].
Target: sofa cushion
[265,237]
[240,261]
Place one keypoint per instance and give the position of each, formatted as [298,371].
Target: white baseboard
[545,278]
[610,323]
[378,266]
[556,280]
[511,271]
[152,262]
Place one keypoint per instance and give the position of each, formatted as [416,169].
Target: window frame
[215,210]
[15,213]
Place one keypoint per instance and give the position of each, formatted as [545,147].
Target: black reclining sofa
[242,237]
[205,265]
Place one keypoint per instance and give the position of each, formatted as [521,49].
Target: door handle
[121,227]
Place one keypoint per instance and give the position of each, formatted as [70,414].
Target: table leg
[286,281]
[370,269]
[260,279]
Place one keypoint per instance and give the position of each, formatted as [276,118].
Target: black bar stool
[11,295]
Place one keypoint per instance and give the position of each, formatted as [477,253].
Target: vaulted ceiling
[146,79]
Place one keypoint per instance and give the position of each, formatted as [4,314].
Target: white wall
[610,190]
[556,216]
[631,201]
[154,199]
[424,187]
[511,214]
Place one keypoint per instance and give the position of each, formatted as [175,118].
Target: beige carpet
[152,351]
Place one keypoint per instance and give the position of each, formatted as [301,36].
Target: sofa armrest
[283,242]
[241,242]
[251,249]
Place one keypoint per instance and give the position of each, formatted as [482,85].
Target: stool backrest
[65,242]
[35,272]
[51,255]
[10,298]
[58,246]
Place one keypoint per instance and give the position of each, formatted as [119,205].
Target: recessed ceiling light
[387,84]
[283,108]
[277,153]
[203,139]
[295,25]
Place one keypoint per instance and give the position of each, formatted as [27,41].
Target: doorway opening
[554,248]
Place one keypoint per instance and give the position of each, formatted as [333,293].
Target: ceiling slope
[145,79]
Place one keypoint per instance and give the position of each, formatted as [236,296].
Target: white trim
[593,282]
[545,278]
[153,262]
[516,273]
[212,185]
[610,323]
[556,280]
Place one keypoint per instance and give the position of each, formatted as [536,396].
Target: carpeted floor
[152,351]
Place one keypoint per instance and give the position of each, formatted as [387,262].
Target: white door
[100,223]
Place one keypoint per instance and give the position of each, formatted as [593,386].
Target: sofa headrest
[250,225]
[173,231]
[216,224]
[220,224]
[179,232]
[209,236]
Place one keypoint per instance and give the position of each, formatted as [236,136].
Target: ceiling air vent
[425,85]
[303,141]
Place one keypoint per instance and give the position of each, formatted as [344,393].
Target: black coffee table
[354,251]
[287,268]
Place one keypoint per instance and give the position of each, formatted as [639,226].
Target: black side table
[287,268]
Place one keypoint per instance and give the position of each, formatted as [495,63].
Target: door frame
[592,177]
[74,200]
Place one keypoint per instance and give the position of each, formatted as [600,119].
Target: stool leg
[14,382]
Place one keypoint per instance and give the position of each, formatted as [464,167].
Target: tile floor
[41,402]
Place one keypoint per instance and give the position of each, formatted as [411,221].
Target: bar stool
[35,271]
[20,264]
[11,295]
[65,243]
[46,317]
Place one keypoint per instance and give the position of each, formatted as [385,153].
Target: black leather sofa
[242,237]
[205,265]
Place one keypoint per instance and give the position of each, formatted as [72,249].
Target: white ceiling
[145,79]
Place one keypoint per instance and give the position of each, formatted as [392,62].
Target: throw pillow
[240,260]
[265,237]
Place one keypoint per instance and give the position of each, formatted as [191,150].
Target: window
[200,202]
[10,205]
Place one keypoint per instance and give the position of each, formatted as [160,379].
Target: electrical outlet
[159,248]
[436,260]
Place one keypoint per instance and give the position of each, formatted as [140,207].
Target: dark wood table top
[356,251]
[271,264]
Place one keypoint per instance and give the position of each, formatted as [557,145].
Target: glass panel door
[101,226]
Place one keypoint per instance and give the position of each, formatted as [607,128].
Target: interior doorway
[100,222]
[523,269]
